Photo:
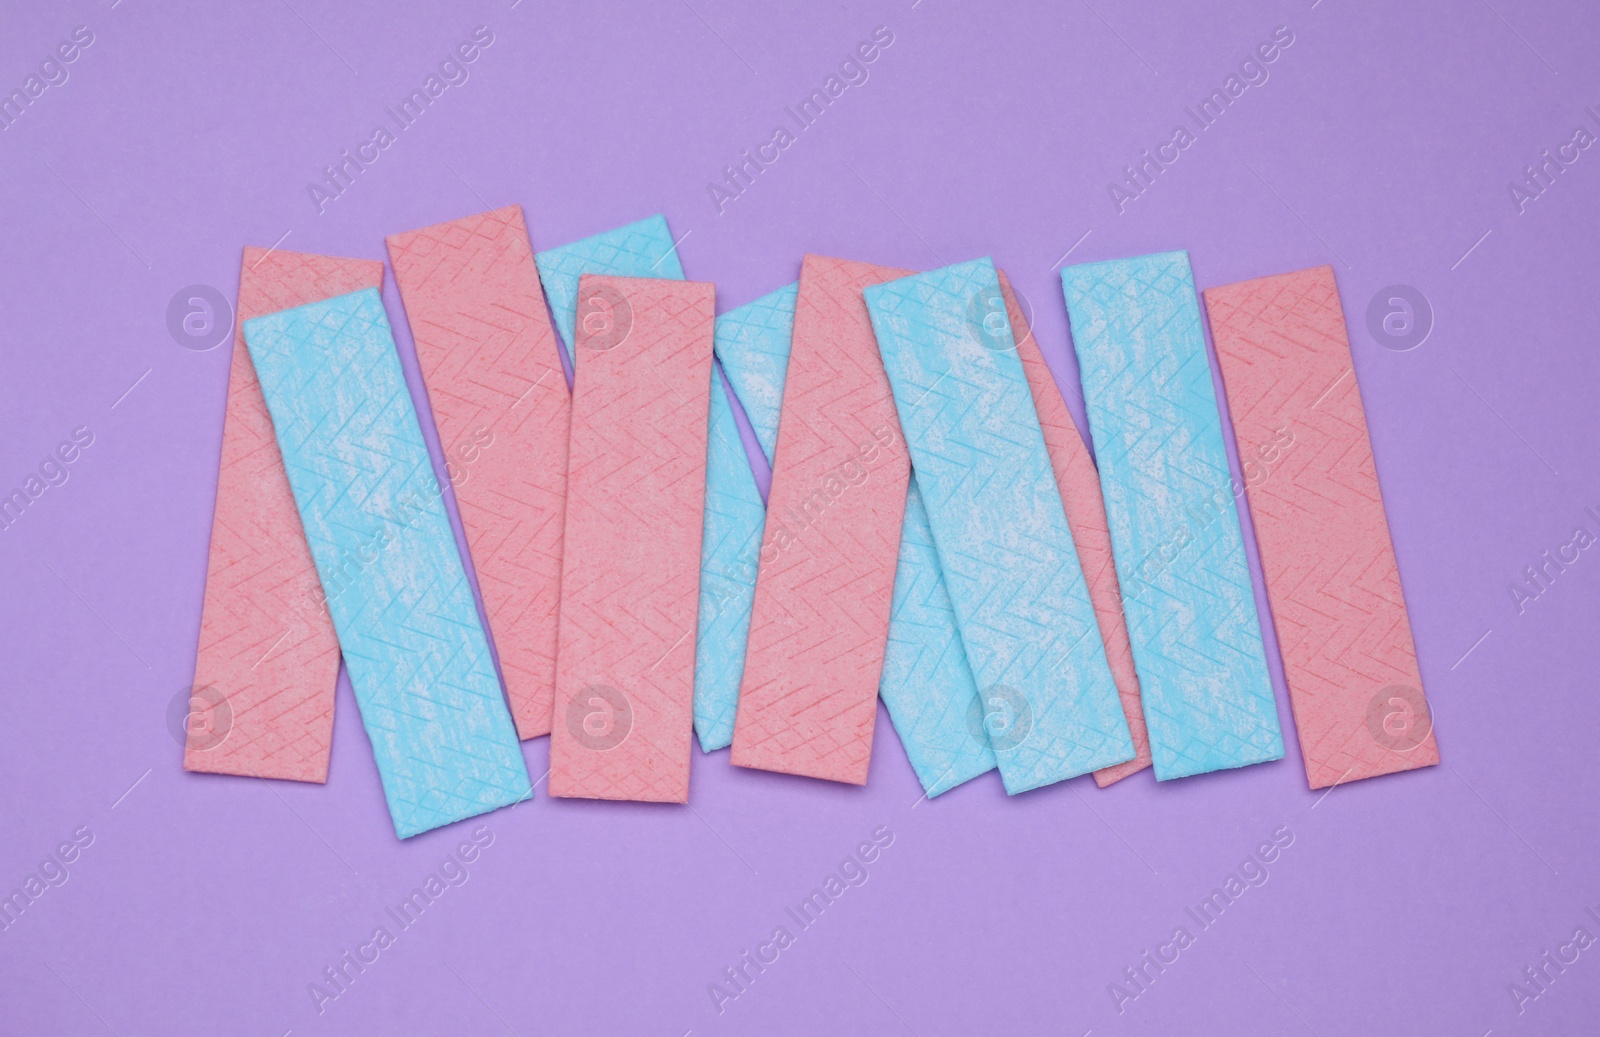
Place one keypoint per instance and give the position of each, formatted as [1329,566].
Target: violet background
[1388,135]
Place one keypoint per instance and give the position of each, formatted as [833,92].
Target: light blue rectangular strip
[926,683]
[1175,536]
[642,249]
[1049,703]
[752,343]
[398,593]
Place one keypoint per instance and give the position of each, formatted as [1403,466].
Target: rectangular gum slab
[825,582]
[640,249]
[1186,588]
[386,555]
[926,684]
[1079,483]
[267,644]
[630,581]
[752,346]
[1050,705]
[500,402]
[1332,579]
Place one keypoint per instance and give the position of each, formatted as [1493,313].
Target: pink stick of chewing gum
[630,581]
[825,581]
[1318,513]
[500,401]
[262,702]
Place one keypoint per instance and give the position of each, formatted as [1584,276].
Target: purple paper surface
[1391,141]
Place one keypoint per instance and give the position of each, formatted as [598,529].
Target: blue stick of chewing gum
[371,507]
[1175,537]
[752,345]
[1047,699]
[642,249]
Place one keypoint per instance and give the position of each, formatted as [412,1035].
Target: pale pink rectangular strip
[630,582]
[500,402]
[1319,520]
[262,703]
[1079,483]
[825,582]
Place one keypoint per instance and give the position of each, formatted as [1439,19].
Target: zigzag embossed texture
[267,645]
[753,345]
[1186,589]
[1319,520]
[630,581]
[370,504]
[500,402]
[927,683]
[641,249]
[1079,483]
[824,588]
[1050,704]
[753,340]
